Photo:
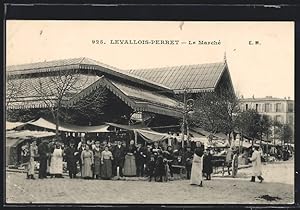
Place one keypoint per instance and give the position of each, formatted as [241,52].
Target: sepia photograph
[149,112]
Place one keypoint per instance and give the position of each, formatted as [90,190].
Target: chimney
[289,98]
[253,96]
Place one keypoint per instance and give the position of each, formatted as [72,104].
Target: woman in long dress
[31,165]
[97,160]
[87,159]
[129,164]
[207,164]
[56,164]
[106,161]
[197,166]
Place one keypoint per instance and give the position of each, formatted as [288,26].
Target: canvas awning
[151,136]
[244,144]
[12,125]
[201,131]
[26,134]
[206,133]
[126,127]
[69,128]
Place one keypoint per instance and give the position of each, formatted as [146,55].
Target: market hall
[144,101]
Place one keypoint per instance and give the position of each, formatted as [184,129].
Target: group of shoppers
[104,160]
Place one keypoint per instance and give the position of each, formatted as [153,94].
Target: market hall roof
[84,64]
[138,99]
[140,89]
[196,78]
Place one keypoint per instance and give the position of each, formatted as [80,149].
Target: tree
[286,134]
[58,89]
[249,123]
[276,128]
[216,112]
[265,125]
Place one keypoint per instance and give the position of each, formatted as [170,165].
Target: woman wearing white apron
[197,166]
[56,164]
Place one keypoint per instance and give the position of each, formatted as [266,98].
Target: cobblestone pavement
[276,172]
[219,190]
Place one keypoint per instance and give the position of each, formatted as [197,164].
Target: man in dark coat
[170,158]
[119,157]
[156,149]
[43,151]
[159,168]
[150,167]
[207,164]
[140,159]
[71,159]
[188,159]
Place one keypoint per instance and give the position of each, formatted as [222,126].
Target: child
[159,168]
[151,167]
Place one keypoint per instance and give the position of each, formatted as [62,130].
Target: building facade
[278,109]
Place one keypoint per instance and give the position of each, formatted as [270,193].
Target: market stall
[15,139]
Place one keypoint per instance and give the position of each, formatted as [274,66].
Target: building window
[291,120]
[267,107]
[256,107]
[246,106]
[278,107]
[278,118]
[290,107]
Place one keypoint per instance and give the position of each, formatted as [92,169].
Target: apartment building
[278,109]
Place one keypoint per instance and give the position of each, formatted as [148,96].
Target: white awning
[26,134]
[69,128]
[12,125]
[152,136]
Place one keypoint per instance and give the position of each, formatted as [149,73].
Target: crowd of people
[105,160]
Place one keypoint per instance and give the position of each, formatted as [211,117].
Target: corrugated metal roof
[200,76]
[78,63]
[32,88]
[137,98]
[140,95]
[46,64]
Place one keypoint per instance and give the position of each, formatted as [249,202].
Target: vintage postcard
[149,112]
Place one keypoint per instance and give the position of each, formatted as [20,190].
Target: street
[276,189]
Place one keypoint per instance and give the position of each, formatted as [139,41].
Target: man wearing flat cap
[43,151]
[119,158]
[71,159]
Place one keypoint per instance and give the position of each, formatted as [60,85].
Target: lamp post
[188,105]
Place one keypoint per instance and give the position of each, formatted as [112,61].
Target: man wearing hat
[43,151]
[256,164]
[119,157]
[188,158]
[141,156]
[150,167]
[71,159]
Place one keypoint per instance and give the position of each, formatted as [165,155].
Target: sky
[263,69]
